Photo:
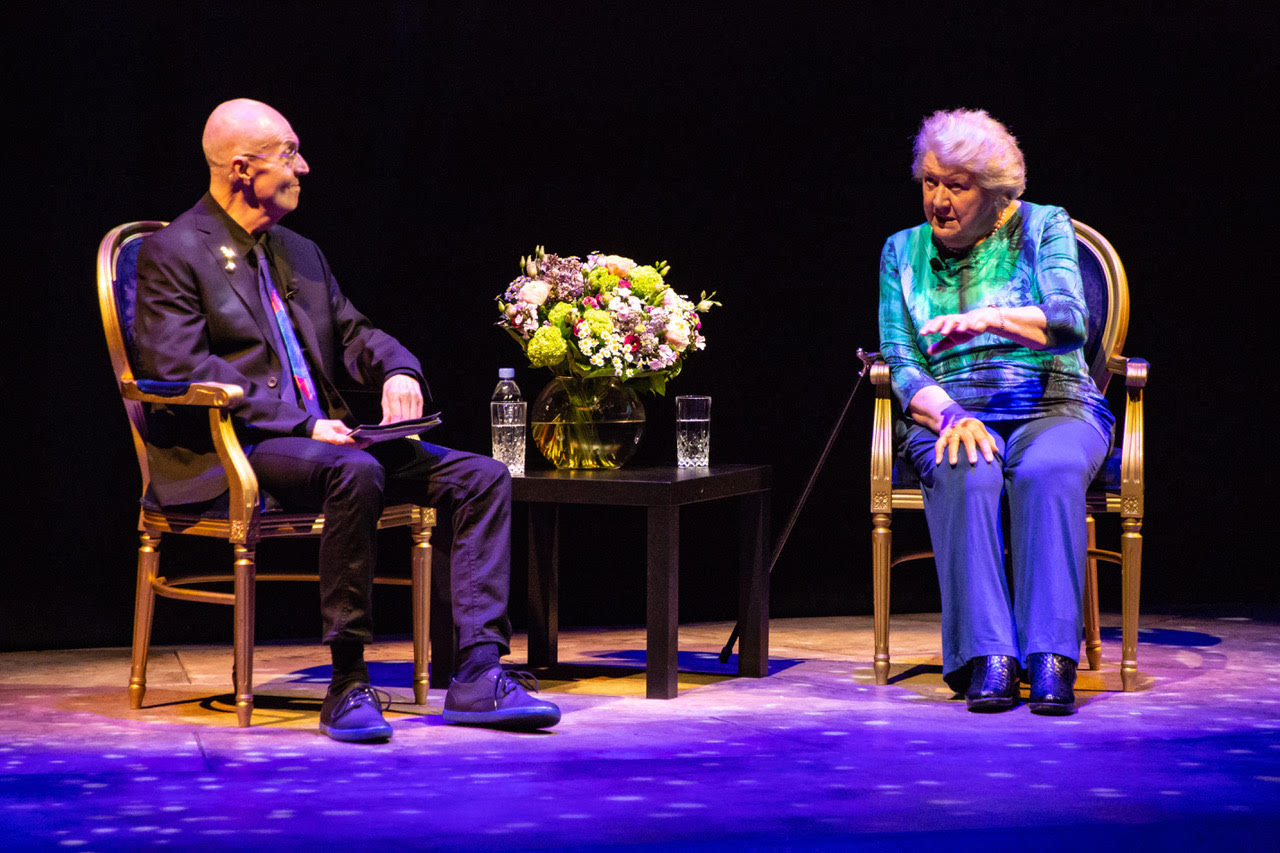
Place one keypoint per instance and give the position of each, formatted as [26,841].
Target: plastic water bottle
[506,391]
[507,411]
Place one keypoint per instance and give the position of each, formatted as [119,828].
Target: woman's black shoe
[1052,679]
[994,685]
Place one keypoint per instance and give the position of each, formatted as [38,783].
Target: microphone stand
[867,359]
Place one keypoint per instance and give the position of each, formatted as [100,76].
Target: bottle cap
[506,373]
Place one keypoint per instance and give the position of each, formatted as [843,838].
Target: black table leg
[663,602]
[544,584]
[753,588]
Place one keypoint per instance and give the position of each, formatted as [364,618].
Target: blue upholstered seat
[126,296]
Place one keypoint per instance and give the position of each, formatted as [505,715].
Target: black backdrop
[761,148]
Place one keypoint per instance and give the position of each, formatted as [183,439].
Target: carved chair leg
[881,542]
[144,609]
[242,651]
[421,563]
[1131,579]
[1092,632]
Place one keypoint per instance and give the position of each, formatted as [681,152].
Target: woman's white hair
[971,140]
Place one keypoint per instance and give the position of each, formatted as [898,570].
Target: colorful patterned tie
[297,362]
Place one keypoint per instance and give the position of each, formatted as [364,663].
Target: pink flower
[535,292]
[678,334]
[618,265]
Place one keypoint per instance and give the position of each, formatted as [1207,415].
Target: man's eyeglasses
[289,158]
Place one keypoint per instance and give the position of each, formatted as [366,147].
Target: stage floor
[813,757]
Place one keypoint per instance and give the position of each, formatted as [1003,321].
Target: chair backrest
[117,293]
[1106,291]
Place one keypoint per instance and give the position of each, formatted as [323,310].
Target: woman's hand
[933,409]
[970,432]
[959,329]
[1026,325]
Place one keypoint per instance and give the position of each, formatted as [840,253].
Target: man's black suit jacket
[200,318]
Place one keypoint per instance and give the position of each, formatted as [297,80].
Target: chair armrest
[214,394]
[1132,487]
[218,398]
[881,440]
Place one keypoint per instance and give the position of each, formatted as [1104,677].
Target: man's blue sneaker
[355,714]
[499,699]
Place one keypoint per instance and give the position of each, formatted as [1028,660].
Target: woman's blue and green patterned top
[1030,260]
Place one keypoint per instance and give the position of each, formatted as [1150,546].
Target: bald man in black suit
[225,294]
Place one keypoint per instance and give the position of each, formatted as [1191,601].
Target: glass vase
[587,423]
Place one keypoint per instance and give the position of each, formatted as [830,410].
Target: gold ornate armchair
[245,523]
[1118,488]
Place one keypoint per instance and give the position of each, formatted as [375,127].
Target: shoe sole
[375,733]
[1052,709]
[512,719]
[987,706]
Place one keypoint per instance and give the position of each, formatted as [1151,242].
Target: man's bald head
[254,164]
[241,126]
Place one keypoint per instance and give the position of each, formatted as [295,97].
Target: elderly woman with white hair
[982,319]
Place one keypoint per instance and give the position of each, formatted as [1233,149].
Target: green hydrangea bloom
[561,313]
[599,321]
[547,347]
[645,281]
[600,280]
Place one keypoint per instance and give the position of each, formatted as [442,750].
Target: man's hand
[332,432]
[968,431]
[401,399]
[959,329]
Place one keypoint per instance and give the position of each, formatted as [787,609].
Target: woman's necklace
[1004,215]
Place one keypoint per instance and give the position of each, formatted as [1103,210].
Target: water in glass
[693,443]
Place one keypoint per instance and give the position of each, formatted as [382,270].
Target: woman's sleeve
[1061,289]
[909,370]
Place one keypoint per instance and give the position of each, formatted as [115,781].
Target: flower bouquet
[605,327]
[606,316]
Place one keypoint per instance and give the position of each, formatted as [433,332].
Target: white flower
[675,301]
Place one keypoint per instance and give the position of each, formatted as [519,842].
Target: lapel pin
[230,256]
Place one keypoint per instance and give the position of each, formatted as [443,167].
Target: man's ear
[239,170]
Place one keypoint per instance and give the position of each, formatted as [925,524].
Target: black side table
[662,491]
